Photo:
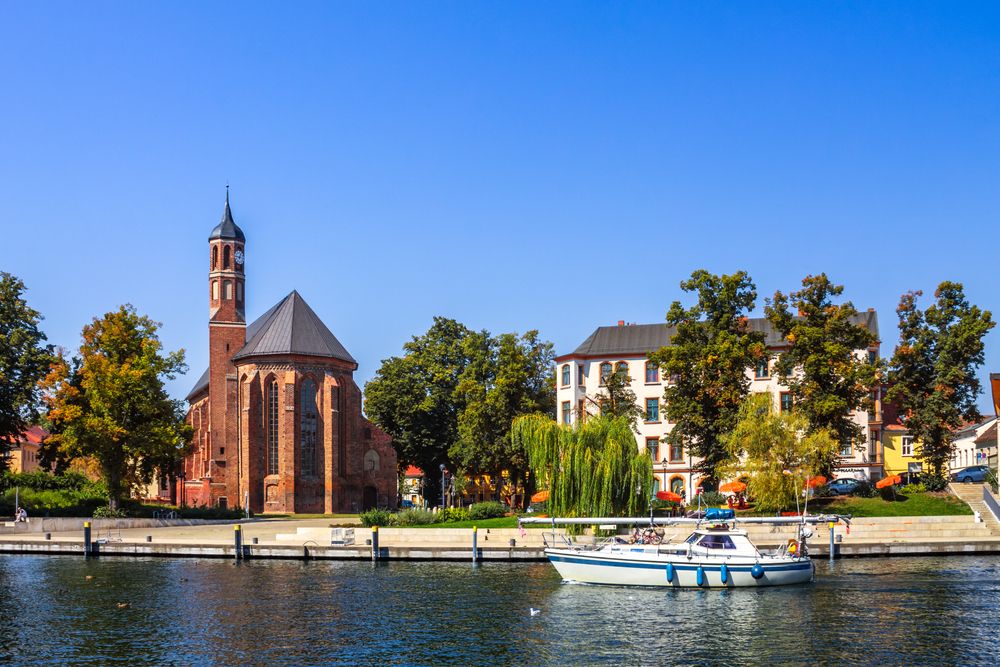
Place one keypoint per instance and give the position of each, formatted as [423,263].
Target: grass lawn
[499,522]
[915,504]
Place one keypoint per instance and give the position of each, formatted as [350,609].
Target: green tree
[822,369]
[413,397]
[590,469]
[933,370]
[24,362]
[616,398]
[707,362]
[776,452]
[110,403]
[507,376]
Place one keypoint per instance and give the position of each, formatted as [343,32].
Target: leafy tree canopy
[616,398]
[110,403]
[933,369]
[776,452]
[707,362]
[822,368]
[24,361]
[590,469]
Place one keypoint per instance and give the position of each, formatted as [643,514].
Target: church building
[277,415]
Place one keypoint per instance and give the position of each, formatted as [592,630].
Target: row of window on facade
[652,411]
[308,428]
[226,263]
[227,290]
[651,372]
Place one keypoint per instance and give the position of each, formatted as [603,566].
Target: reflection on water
[881,611]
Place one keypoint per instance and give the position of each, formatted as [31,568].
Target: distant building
[975,444]
[277,414]
[24,454]
[580,378]
[900,449]
[413,486]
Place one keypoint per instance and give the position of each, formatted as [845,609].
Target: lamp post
[443,481]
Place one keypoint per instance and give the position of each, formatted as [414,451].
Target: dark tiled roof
[227,227]
[289,327]
[645,338]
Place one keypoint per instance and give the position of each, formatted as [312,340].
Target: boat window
[692,539]
[717,542]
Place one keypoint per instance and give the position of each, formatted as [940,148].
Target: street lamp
[443,478]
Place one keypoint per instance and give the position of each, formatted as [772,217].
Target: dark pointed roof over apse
[292,327]
[289,327]
[227,227]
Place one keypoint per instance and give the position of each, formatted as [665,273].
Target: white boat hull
[645,566]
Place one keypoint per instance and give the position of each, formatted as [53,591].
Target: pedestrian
[20,515]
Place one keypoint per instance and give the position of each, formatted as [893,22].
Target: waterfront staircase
[972,495]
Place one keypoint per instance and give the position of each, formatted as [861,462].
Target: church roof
[289,327]
[227,227]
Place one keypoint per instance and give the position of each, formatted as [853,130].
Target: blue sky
[556,166]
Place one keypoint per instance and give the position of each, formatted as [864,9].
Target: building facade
[626,347]
[24,455]
[277,414]
[975,445]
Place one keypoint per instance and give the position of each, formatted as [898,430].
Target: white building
[975,444]
[579,381]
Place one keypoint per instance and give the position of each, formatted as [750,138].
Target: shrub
[453,515]
[487,510]
[710,498]
[912,488]
[932,482]
[105,512]
[376,517]
[413,517]
[865,490]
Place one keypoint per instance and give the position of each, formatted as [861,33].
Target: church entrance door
[370,500]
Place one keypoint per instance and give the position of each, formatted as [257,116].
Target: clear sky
[555,166]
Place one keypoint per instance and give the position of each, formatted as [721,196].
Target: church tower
[226,335]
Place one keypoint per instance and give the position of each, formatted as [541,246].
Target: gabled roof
[641,339]
[289,327]
[227,227]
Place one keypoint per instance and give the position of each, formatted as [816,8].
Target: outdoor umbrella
[733,487]
[819,480]
[668,495]
[540,497]
[888,481]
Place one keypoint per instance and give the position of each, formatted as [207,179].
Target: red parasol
[888,481]
[540,497]
[814,482]
[668,495]
[733,487]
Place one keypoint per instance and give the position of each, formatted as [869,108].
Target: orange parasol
[888,481]
[733,487]
[818,480]
[540,497]
[668,495]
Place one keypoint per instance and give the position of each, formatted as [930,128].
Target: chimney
[621,323]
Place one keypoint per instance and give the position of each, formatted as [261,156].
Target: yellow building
[24,455]
[900,451]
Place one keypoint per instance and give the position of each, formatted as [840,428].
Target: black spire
[227,227]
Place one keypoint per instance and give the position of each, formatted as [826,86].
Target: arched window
[652,372]
[372,462]
[605,372]
[677,485]
[227,290]
[215,290]
[272,428]
[307,429]
[239,291]
[565,375]
[656,484]
[215,257]
[621,368]
[225,257]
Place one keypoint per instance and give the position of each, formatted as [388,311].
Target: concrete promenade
[311,539]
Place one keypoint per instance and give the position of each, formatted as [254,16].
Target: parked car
[844,486]
[971,474]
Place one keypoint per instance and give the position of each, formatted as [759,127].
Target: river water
[899,611]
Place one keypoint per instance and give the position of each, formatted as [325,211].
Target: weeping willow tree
[592,469]
[775,452]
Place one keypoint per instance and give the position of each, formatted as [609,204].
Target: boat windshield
[717,542]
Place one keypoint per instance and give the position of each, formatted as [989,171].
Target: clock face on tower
[238,256]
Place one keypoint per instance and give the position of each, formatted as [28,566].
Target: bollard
[48,536]
[475,549]
[149,538]
[238,538]
[86,539]
[375,553]
[831,540]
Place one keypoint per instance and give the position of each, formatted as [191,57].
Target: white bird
[534,612]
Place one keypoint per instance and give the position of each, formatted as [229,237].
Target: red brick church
[277,415]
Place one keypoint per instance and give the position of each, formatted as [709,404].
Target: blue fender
[725,574]
[670,573]
[756,571]
[700,576]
